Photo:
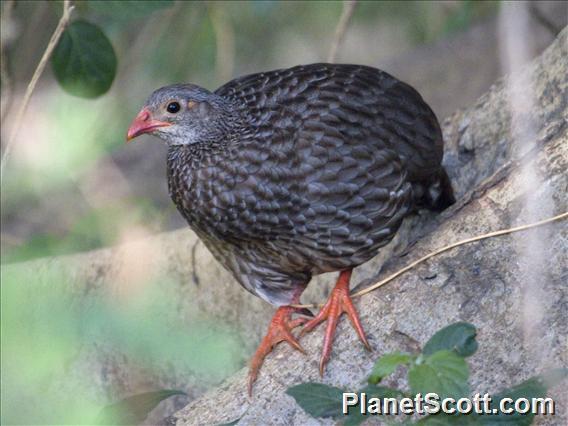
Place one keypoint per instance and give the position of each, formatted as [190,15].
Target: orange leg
[280,330]
[339,302]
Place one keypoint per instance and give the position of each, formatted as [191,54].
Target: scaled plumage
[295,172]
[314,173]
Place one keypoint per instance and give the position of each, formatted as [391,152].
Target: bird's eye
[173,107]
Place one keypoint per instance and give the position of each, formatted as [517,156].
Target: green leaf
[84,62]
[123,10]
[443,419]
[534,387]
[443,372]
[386,365]
[134,409]
[354,416]
[374,391]
[318,400]
[552,377]
[458,337]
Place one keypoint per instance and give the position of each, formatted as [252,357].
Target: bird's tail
[439,195]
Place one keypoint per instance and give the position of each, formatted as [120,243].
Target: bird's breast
[228,199]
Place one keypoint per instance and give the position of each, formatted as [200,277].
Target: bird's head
[182,114]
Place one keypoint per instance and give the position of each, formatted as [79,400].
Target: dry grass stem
[62,24]
[398,273]
[224,43]
[341,28]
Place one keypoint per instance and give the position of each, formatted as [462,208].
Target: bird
[295,172]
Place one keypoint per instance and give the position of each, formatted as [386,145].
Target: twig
[341,28]
[446,248]
[62,24]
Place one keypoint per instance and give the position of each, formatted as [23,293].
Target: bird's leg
[339,302]
[280,330]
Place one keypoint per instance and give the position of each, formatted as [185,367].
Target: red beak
[144,123]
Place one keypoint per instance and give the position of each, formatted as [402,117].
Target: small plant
[439,368]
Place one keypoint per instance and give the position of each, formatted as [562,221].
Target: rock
[484,283]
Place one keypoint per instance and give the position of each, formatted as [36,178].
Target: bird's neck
[186,164]
[196,154]
[215,142]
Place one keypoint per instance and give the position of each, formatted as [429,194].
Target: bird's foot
[339,302]
[280,330]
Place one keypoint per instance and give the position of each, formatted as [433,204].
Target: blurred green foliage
[98,228]
[134,409]
[57,344]
[125,9]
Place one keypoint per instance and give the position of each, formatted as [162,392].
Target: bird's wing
[327,166]
[393,110]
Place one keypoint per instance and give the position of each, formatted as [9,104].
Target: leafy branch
[439,368]
[82,57]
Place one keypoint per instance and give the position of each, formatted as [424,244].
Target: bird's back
[356,100]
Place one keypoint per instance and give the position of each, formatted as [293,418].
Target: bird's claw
[338,303]
[280,330]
